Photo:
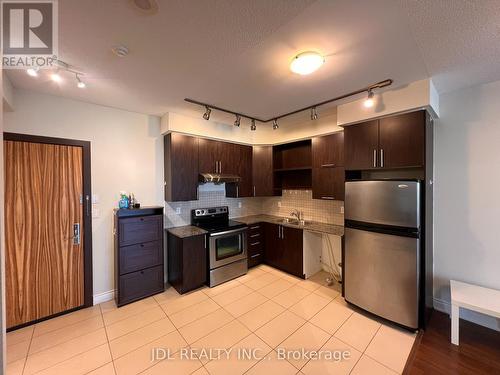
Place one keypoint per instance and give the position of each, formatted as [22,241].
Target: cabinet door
[361,145]
[292,255]
[181,167]
[208,151]
[402,140]
[328,173]
[272,244]
[240,160]
[328,183]
[262,170]
[328,150]
[229,158]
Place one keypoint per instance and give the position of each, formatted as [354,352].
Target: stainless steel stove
[227,243]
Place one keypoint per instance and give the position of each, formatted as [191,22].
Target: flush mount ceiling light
[206,115]
[314,114]
[313,108]
[120,50]
[146,6]
[237,121]
[306,63]
[33,72]
[369,101]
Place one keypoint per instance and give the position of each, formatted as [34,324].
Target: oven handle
[228,232]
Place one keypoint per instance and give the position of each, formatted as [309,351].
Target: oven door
[227,247]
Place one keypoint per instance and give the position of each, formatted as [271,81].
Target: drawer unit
[133,285]
[139,254]
[135,230]
[255,244]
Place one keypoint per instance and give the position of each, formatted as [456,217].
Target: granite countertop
[186,231]
[312,226]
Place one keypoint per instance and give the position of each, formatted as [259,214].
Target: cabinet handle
[255,243]
[216,167]
[374,158]
[255,256]
[331,165]
[329,198]
[255,235]
[220,167]
[255,227]
[254,190]
[279,231]
[282,233]
[237,191]
[382,158]
[205,241]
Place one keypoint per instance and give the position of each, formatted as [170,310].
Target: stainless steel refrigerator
[383,247]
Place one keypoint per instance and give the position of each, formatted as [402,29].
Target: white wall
[467,194]
[127,154]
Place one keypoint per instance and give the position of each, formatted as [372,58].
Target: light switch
[341,209]
[239,204]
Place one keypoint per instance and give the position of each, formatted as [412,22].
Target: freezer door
[383,202]
[381,275]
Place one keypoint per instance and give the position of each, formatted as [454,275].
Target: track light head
[314,114]
[80,83]
[275,124]
[253,127]
[237,121]
[369,101]
[206,115]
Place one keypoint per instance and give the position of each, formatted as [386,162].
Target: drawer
[255,259]
[139,256]
[142,229]
[255,245]
[140,284]
[257,227]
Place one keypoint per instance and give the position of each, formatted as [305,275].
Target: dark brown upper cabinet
[389,143]
[402,140]
[292,166]
[262,162]
[181,167]
[209,155]
[361,145]
[328,167]
[238,161]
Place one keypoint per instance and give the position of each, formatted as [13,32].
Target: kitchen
[274,210]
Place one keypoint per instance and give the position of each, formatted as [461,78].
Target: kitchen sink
[300,223]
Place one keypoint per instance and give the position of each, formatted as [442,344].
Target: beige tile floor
[266,311]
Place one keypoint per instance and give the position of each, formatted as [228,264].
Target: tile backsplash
[210,195]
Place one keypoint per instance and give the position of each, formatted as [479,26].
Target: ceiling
[235,54]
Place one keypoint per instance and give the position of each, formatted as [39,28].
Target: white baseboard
[471,316]
[104,297]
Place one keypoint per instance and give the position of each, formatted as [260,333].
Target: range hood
[218,178]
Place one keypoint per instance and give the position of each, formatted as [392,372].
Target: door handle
[374,158]
[76,234]
[87,201]
[382,158]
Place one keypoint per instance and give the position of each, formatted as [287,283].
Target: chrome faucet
[297,214]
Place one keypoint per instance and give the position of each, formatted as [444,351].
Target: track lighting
[369,101]
[275,124]
[80,84]
[237,121]
[206,115]
[314,114]
[253,127]
[33,71]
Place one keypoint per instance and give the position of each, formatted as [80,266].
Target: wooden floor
[478,353]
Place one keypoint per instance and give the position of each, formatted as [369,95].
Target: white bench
[471,297]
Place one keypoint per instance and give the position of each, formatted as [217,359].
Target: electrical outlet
[96,212]
[239,204]
[279,204]
[341,209]
[178,210]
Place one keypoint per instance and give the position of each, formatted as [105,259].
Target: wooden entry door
[43,204]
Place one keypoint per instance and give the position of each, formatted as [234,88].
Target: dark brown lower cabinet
[139,258]
[255,244]
[187,262]
[284,248]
